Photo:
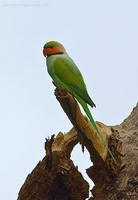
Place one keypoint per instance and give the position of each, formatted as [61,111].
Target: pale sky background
[101,37]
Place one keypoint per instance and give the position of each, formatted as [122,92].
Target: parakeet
[66,74]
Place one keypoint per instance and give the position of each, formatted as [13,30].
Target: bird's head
[52,48]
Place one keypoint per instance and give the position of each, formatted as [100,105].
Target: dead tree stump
[56,177]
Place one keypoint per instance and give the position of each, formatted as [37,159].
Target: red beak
[45,52]
[51,51]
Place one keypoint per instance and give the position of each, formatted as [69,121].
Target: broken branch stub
[87,135]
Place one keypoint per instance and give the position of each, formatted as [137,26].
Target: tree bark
[56,177]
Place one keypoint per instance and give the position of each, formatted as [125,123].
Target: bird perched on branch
[66,74]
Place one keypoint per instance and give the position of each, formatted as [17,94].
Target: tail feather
[87,111]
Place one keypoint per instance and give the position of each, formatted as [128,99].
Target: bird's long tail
[88,113]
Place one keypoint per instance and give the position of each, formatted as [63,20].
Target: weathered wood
[124,186]
[56,177]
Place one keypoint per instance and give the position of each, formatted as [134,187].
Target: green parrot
[66,74]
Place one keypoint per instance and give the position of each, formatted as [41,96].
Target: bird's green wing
[68,73]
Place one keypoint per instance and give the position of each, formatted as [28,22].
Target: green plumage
[66,74]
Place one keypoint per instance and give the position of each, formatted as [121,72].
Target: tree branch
[56,177]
